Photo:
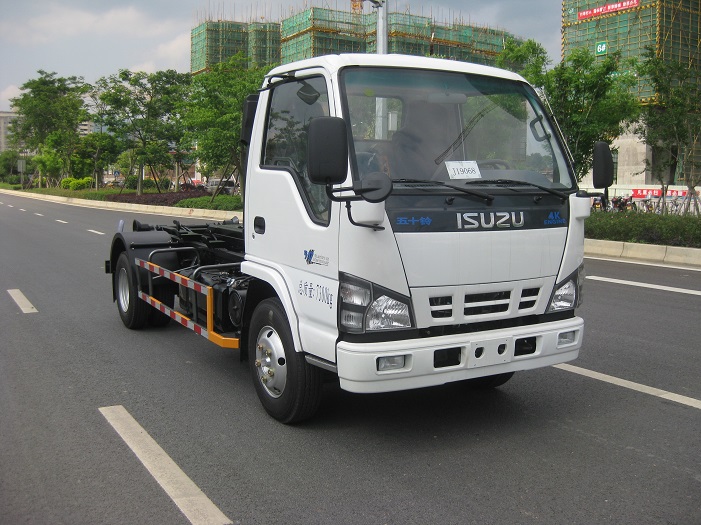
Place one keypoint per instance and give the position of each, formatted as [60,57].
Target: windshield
[423,125]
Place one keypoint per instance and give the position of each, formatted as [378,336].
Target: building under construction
[671,27]
[318,31]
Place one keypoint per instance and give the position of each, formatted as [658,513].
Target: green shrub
[221,202]
[131,182]
[79,184]
[646,228]
[66,183]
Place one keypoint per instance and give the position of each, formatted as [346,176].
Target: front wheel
[133,311]
[287,386]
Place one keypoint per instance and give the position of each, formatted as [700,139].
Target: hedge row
[646,228]
[221,202]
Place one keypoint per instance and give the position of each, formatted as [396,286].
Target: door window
[293,105]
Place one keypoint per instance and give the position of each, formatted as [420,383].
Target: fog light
[566,338]
[395,362]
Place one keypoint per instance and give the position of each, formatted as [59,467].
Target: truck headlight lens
[564,297]
[386,313]
[366,307]
[569,294]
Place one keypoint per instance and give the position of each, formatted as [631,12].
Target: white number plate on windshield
[463,169]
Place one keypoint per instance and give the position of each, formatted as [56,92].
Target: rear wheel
[287,386]
[133,311]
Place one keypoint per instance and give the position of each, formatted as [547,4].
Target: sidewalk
[592,247]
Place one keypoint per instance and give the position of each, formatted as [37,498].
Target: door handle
[259,225]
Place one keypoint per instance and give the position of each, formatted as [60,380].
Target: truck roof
[333,63]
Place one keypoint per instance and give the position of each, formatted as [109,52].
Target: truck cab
[408,222]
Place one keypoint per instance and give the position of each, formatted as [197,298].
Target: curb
[194,213]
[592,247]
[643,252]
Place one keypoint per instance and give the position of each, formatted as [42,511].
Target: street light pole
[381,25]
[381,49]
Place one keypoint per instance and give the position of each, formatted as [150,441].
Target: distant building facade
[318,31]
[671,27]
[6,117]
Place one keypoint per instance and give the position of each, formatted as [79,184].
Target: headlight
[569,294]
[366,307]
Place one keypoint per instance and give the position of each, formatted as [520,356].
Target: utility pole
[381,25]
[381,49]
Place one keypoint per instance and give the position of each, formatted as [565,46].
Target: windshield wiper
[474,193]
[512,182]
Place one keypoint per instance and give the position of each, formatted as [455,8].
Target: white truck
[409,222]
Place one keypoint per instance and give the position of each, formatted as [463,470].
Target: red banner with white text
[608,8]
[649,193]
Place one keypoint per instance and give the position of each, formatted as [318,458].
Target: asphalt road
[552,446]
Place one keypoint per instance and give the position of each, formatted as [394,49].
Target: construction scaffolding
[264,43]
[316,31]
[213,42]
[671,27]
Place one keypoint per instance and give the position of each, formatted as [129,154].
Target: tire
[488,382]
[287,386]
[133,311]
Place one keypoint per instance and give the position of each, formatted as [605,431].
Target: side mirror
[327,150]
[376,187]
[602,166]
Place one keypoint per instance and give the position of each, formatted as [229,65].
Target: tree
[529,59]
[671,124]
[48,114]
[95,153]
[592,101]
[589,97]
[8,162]
[214,113]
[48,163]
[140,109]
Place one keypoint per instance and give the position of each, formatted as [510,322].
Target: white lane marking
[22,302]
[39,214]
[644,285]
[22,209]
[10,206]
[664,394]
[191,501]
[62,222]
[95,231]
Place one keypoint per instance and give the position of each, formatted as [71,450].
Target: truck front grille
[474,303]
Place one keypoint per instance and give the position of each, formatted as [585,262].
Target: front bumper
[476,354]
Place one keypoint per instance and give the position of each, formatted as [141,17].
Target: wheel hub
[123,289]
[270,362]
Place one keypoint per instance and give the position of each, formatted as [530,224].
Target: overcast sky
[96,38]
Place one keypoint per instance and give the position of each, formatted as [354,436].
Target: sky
[97,38]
